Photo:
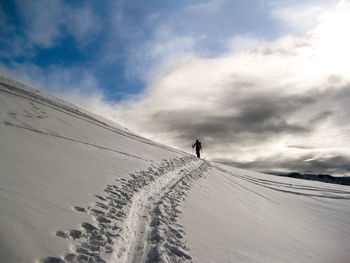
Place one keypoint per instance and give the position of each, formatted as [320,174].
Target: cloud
[302,17]
[83,24]
[57,80]
[245,43]
[208,7]
[239,121]
[42,19]
[161,51]
[44,23]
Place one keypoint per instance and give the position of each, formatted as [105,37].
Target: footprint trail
[135,219]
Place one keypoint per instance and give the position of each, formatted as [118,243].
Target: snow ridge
[136,218]
[17,89]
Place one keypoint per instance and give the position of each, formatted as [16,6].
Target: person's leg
[198,154]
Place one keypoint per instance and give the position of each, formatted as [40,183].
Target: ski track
[296,189]
[136,219]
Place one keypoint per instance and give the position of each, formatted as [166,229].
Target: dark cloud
[321,117]
[243,121]
[302,147]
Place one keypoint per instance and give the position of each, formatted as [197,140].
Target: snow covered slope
[58,165]
[239,216]
[75,187]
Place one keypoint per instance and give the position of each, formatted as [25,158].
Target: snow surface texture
[236,215]
[75,187]
[124,220]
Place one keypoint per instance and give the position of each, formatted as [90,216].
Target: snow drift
[75,187]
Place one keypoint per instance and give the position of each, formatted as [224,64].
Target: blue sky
[113,41]
[264,84]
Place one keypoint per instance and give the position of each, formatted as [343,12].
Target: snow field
[75,187]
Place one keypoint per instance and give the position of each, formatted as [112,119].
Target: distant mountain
[326,178]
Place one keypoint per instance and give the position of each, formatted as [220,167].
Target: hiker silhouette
[198,146]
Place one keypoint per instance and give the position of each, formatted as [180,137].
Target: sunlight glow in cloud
[332,48]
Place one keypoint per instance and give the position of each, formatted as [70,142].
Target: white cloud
[57,80]
[42,19]
[245,43]
[302,18]
[209,7]
[332,50]
[162,50]
[83,24]
[45,22]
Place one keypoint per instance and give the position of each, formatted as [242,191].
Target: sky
[263,84]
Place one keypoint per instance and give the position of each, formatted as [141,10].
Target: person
[198,146]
